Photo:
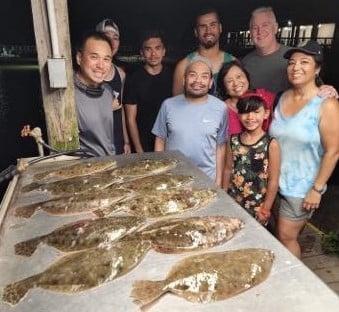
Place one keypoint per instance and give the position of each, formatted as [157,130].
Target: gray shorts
[291,208]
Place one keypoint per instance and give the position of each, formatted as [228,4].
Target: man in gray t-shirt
[93,99]
[195,122]
[266,64]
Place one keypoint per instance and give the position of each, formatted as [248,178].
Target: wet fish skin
[143,168]
[209,277]
[155,204]
[74,185]
[67,275]
[82,234]
[158,182]
[187,234]
[81,168]
[78,203]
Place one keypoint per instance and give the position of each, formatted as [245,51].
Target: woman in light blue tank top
[306,127]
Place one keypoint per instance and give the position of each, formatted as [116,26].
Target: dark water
[20,104]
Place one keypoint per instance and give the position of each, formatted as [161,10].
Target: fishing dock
[325,266]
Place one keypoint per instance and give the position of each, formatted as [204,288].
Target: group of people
[264,128]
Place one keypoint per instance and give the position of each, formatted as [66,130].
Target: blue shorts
[291,208]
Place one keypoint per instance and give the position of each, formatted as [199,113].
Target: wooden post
[59,104]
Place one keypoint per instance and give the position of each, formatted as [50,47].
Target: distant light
[319,25]
[289,23]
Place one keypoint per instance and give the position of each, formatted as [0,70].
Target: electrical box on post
[57,72]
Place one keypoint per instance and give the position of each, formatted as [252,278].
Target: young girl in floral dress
[253,160]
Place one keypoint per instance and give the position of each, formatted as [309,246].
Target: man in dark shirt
[116,79]
[145,90]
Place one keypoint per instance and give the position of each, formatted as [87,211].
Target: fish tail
[146,292]
[26,248]
[13,293]
[25,211]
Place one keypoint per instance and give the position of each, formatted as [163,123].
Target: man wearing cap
[207,30]
[266,64]
[115,79]
[145,89]
[93,98]
[195,122]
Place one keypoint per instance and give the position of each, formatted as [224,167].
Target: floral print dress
[249,177]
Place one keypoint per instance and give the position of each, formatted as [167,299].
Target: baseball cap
[257,93]
[106,25]
[310,47]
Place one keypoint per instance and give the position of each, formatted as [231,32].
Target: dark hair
[204,11]
[223,72]
[92,34]
[151,33]
[319,61]
[250,104]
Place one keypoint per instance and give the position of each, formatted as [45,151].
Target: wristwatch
[320,191]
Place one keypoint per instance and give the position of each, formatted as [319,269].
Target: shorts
[291,208]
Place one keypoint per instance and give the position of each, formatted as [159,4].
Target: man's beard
[209,44]
[193,95]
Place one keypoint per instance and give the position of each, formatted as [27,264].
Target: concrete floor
[324,220]
[325,266]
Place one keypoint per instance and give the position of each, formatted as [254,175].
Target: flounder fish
[144,168]
[155,204]
[83,234]
[79,169]
[74,185]
[81,270]
[209,277]
[78,203]
[187,234]
[159,182]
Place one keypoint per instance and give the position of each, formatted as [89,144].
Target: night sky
[174,17]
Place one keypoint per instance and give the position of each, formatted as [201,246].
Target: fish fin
[26,211]
[42,175]
[13,293]
[145,292]
[27,248]
[105,212]
[99,213]
[30,187]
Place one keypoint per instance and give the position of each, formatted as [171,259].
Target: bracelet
[321,191]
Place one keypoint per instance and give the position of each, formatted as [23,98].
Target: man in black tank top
[115,79]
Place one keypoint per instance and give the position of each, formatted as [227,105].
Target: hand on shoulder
[327,91]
